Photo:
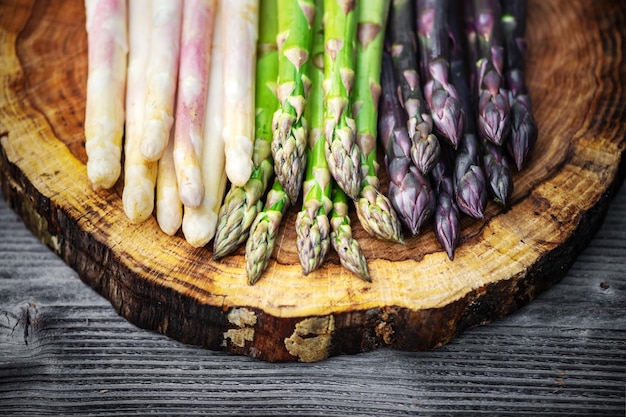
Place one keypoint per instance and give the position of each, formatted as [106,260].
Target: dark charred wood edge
[150,306]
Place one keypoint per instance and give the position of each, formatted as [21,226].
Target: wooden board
[418,298]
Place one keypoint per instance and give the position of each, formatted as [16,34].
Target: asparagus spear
[401,34]
[240,34]
[494,162]
[169,208]
[493,101]
[289,125]
[312,224]
[523,128]
[260,244]
[162,76]
[350,254]
[139,174]
[373,208]
[410,191]
[498,171]
[106,80]
[469,178]
[342,152]
[199,223]
[442,98]
[242,203]
[193,76]
[447,215]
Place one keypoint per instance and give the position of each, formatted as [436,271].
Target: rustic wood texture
[65,351]
[418,299]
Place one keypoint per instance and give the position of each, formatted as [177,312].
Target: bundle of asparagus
[460,71]
[245,94]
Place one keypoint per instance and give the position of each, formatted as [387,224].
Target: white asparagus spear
[169,208]
[106,81]
[195,48]
[162,77]
[240,33]
[139,174]
[199,224]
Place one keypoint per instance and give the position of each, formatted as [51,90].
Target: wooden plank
[65,351]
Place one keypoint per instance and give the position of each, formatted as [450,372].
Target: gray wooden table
[65,351]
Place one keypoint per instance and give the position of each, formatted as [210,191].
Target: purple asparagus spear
[410,191]
[523,127]
[493,99]
[432,29]
[402,46]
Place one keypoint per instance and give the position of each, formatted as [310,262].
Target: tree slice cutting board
[417,300]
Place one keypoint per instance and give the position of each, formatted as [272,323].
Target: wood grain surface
[417,300]
[65,351]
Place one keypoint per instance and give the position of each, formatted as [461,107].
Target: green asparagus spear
[523,127]
[342,152]
[262,239]
[242,203]
[312,224]
[350,254]
[289,126]
[373,208]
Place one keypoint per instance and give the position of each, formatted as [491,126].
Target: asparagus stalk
[498,171]
[350,254]
[289,125]
[493,101]
[523,127]
[139,174]
[240,34]
[401,33]
[447,215]
[342,152]
[373,208]
[199,223]
[242,203]
[169,208]
[312,224]
[442,98]
[193,75]
[106,81]
[162,77]
[262,239]
[494,161]
[410,191]
[469,178]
